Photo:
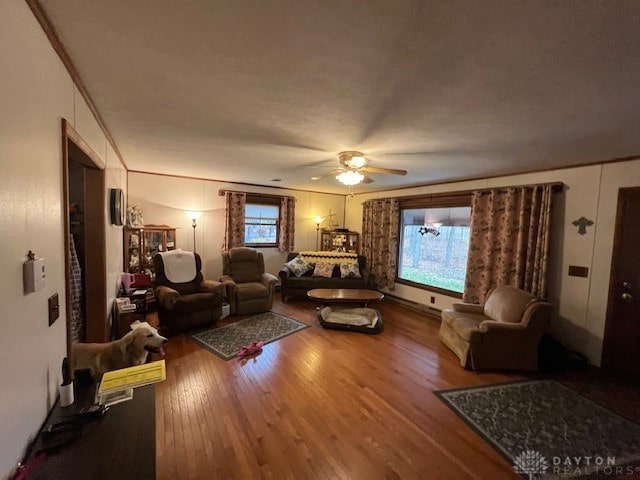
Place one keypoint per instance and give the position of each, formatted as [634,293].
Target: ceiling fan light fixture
[352,159]
[357,162]
[349,177]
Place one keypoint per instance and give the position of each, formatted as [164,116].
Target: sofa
[503,333]
[298,286]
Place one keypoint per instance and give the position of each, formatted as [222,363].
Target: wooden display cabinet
[142,243]
[338,241]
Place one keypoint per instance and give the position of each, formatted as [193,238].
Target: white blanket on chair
[179,266]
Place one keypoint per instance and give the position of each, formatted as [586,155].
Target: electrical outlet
[54,309]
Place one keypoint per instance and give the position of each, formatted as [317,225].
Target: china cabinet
[142,243]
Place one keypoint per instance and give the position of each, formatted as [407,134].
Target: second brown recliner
[249,288]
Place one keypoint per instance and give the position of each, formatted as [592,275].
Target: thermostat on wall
[33,274]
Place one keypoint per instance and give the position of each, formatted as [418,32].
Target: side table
[143,299]
[123,320]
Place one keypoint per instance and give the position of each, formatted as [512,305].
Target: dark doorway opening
[85,259]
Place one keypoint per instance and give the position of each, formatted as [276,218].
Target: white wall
[36,93]
[115,177]
[590,192]
[164,199]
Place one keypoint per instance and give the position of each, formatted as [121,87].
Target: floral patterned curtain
[380,231]
[287,224]
[509,244]
[234,224]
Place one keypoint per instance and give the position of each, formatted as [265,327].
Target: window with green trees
[434,241]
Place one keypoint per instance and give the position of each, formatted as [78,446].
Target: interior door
[621,348]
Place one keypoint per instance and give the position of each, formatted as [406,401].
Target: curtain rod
[557,187]
[222,192]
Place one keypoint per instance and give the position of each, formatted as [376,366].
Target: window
[261,224]
[434,241]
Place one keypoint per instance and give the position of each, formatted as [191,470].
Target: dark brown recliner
[249,288]
[190,304]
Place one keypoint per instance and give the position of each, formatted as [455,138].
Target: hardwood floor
[330,404]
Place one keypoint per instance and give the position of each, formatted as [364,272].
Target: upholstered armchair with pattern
[503,333]
[185,300]
[249,288]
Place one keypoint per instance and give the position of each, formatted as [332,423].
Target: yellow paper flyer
[133,377]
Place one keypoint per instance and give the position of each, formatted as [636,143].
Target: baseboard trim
[421,307]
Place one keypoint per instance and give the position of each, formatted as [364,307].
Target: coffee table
[345,295]
[348,295]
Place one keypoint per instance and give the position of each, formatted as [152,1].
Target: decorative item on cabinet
[134,216]
[142,243]
[340,241]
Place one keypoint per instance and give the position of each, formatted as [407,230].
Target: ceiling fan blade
[317,164]
[333,172]
[436,152]
[391,171]
[367,180]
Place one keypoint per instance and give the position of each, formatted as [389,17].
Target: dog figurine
[132,349]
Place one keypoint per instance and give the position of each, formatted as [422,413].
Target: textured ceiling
[250,91]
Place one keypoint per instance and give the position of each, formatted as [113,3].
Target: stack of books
[124,305]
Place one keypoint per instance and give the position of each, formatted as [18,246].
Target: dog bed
[364,320]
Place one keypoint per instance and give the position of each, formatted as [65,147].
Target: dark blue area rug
[546,430]
[265,327]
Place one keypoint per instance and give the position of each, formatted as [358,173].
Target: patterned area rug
[264,327]
[546,430]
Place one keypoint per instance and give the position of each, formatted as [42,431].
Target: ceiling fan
[351,167]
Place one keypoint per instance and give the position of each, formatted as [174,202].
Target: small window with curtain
[262,221]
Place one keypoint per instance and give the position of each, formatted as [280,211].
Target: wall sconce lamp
[193,215]
[318,219]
